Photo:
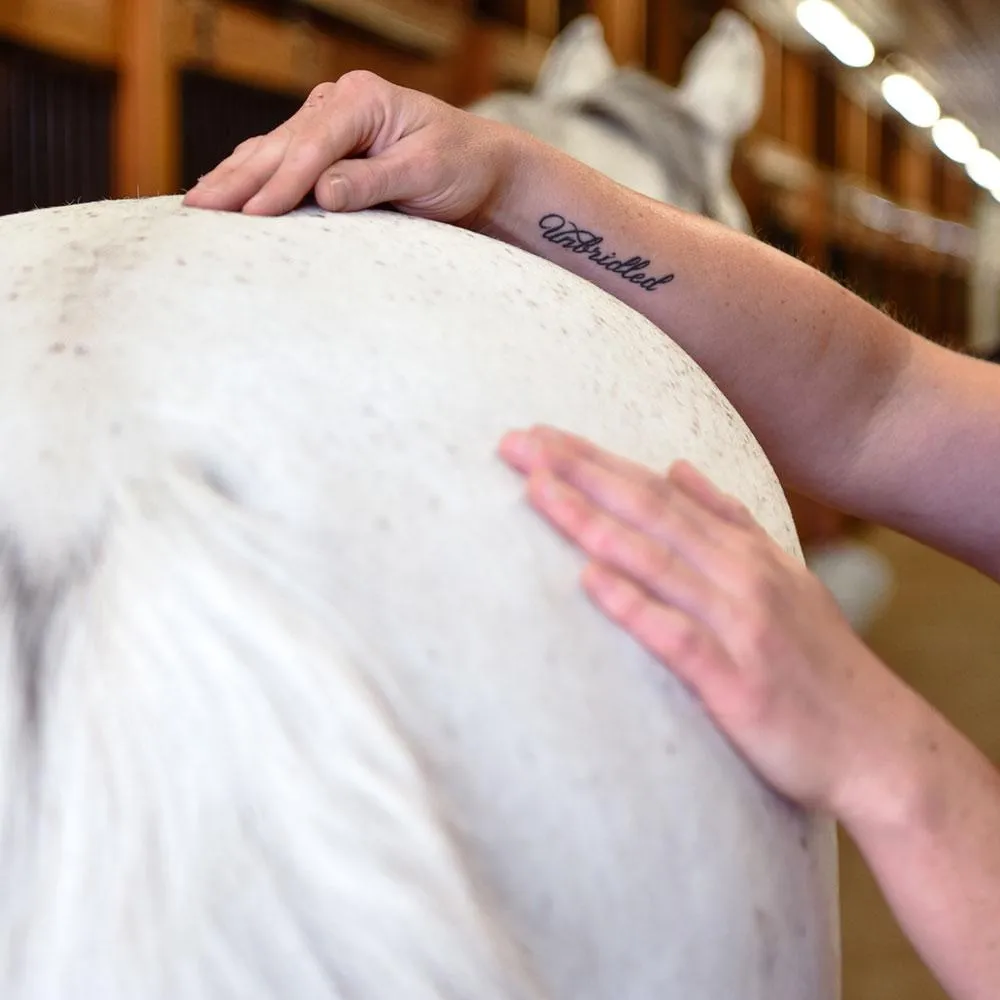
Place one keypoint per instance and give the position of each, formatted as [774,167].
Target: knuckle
[688,642]
[600,537]
[758,696]
[653,564]
[321,93]
[754,578]
[755,634]
[738,512]
[303,146]
[360,80]
[650,503]
[247,145]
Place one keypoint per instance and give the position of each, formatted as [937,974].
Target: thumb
[391,176]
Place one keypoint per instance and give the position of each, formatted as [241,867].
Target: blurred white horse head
[672,144]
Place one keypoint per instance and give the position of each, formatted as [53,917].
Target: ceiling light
[954,140]
[984,169]
[910,99]
[828,25]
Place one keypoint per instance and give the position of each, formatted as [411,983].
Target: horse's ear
[723,80]
[577,63]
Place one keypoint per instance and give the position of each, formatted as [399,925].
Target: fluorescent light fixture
[911,100]
[828,25]
[984,169]
[954,140]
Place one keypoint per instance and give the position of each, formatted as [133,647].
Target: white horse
[676,145]
[299,699]
[672,144]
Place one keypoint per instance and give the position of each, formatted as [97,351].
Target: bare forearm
[932,839]
[804,361]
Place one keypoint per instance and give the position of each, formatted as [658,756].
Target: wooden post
[770,122]
[476,63]
[624,24]
[542,17]
[147,125]
[915,172]
[799,104]
[666,34]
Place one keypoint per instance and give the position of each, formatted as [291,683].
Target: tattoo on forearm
[556,229]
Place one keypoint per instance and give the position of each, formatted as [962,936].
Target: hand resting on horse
[851,407]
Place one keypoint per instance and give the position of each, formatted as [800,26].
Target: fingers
[392,176]
[560,450]
[672,516]
[676,639]
[526,450]
[271,174]
[620,547]
[700,488]
[241,175]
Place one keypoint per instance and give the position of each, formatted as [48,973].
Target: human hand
[688,572]
[362,142]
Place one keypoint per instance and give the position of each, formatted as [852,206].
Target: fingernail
[338,192]
[517,447]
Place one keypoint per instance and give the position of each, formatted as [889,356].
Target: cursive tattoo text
[556,229]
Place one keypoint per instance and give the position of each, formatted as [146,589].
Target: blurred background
[873,158]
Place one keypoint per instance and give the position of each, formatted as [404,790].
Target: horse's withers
[300,699]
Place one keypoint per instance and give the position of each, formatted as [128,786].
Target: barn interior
[876,158]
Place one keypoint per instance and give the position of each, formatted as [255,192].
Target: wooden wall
[275,50]
[820,153]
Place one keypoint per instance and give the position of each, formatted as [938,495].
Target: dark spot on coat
[217,481]
[57,348]
[767,942]
[32,599]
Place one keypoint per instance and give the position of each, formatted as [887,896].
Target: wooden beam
[475,74]
[542,17]
[624,24]
[423,26]
[665,39]
[852,137]
[916,160]
[799,104]
[82,30]
[251,47]
[148,119]
[518,57]
[770,121]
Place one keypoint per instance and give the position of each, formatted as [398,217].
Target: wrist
[901,785]
[535,179]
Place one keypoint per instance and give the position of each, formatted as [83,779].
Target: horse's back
[335,386]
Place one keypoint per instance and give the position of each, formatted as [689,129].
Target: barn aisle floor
[941,633]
